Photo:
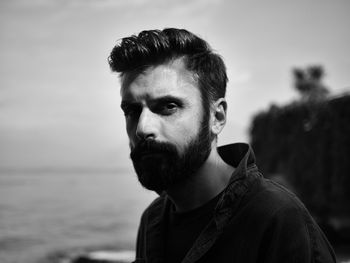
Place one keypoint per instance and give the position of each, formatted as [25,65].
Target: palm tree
[309,83]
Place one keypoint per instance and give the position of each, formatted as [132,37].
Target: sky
[59,101]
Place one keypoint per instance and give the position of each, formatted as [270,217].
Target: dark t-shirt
[184,228]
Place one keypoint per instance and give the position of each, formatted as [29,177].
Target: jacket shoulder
[154,209]
[275,197]
[284,217]
[150,217]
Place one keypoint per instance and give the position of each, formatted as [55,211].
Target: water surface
[53,213]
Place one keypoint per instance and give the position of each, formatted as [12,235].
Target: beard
[159,166]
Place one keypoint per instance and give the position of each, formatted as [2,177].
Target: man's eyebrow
[161,99]
[168,98]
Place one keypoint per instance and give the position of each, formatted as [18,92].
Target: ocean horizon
[48,215]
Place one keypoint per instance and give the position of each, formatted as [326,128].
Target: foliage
[309,145]
[309,83]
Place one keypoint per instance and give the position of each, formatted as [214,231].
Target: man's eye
[171,106]
[168,108]
[131,111]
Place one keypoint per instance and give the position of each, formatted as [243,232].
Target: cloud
[110,3]
[145,3]
[240,77]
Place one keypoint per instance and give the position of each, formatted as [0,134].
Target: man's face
[167,128]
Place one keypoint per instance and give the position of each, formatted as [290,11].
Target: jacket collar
[240,156]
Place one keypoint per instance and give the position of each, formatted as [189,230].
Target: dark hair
[155,47]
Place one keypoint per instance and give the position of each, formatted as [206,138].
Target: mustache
[150,147]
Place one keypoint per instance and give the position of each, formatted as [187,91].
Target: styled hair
[154,47]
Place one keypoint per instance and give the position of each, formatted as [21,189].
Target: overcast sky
[59,102]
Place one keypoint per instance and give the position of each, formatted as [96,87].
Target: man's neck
[208,182]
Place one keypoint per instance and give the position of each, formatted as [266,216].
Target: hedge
[308,145]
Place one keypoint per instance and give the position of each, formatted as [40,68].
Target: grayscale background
[66,182]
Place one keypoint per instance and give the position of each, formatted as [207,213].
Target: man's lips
[150,154]
[150,149]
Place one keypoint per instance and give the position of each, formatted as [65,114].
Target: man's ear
[219,109]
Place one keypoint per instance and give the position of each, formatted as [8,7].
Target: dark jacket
[256,220]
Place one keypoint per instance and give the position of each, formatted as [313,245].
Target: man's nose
[146,127]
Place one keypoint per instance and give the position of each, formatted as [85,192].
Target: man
[214,205]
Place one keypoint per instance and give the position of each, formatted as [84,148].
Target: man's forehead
[171,78]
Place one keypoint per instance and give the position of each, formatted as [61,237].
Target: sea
[47,216]
[55,216]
